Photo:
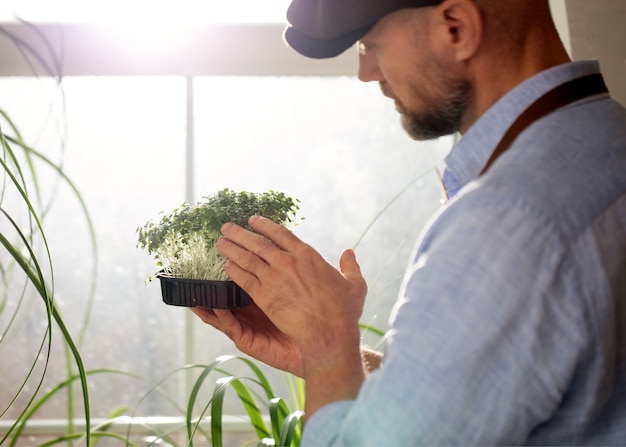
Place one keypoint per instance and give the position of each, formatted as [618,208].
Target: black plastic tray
[202,293]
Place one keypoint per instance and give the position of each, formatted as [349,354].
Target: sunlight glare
[146,22]
[142,11]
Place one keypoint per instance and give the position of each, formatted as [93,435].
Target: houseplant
[27,281]
[183,244]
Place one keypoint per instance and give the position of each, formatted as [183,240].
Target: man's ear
[461,27]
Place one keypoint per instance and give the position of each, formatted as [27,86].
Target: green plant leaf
[250,405]
[278,412]
[291,429]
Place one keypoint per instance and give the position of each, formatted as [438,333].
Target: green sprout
[183,242]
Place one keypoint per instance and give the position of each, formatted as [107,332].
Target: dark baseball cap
[326,28]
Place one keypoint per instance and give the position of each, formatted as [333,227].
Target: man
[511,323]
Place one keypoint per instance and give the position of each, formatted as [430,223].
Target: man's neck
[494,75]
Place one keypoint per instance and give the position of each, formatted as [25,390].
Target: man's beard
[442,116]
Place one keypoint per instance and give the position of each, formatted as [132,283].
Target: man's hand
[305,297]
[305,314]
[254,334]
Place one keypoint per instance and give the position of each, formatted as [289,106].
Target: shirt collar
[470,154]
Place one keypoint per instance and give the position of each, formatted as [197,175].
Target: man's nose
[368,67]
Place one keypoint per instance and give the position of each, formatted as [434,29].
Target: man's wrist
[337,377]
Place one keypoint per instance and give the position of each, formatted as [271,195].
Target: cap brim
[322,49]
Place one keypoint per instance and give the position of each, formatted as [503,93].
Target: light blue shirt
[511,324]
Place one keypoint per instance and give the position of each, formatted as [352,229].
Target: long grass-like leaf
[38,281]
[18,139]
[78,436]
[70,345]
[56,389]
[278,412]
[194,394]
[36,277]
[29,266]
[156,387]
[29,374]
[245,396]
[248,402]
[71,351]
[291,432]
[372,329]
[8,277]
[88,220]
[295,385]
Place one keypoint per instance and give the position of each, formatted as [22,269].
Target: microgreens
[183,242]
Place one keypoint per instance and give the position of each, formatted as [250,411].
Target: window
[331,141]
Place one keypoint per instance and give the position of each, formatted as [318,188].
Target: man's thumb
[350,268]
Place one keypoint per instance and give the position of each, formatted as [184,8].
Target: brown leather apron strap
[556,98]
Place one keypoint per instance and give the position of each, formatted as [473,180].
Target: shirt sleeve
[482,344]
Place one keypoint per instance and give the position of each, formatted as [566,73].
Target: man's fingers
[207,316]
[243,258]
[267,244]
[278,234]
[245,241]
[230,325]
[220,319]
